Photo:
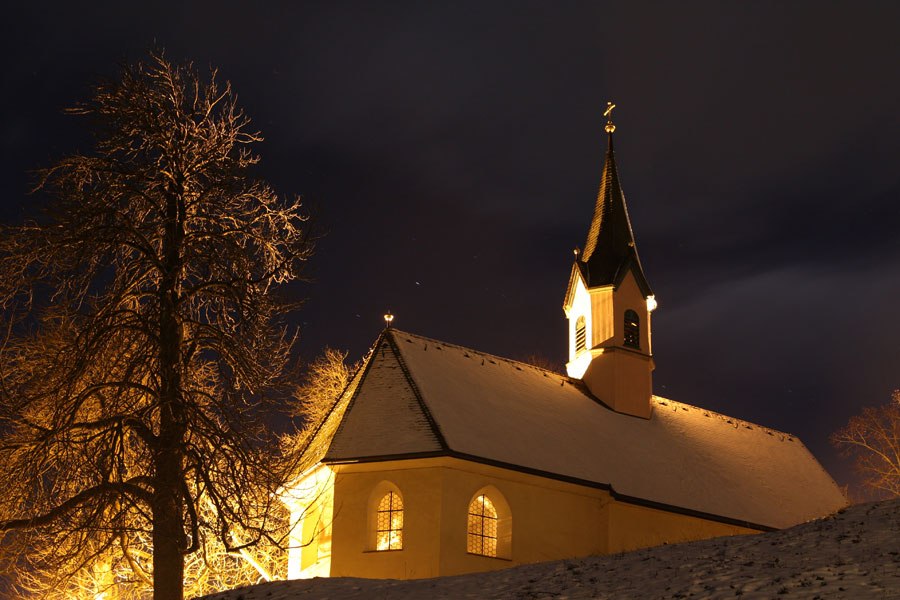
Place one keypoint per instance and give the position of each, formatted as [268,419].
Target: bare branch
[872,439]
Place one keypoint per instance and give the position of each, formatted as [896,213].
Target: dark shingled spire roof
[610,249]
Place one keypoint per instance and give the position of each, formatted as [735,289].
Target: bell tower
[608,303]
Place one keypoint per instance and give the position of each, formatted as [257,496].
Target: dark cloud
[453,152]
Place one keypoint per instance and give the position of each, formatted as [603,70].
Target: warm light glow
[579,315]
[389,523]
[651,303]
[388,318]
[578,365]
[311,501]
[580,335]
[482,530]
[610,127]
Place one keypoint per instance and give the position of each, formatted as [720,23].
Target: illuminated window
[632,329]
[389,522]
[580,335]
[482,538]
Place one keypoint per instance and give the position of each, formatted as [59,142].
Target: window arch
[489,525]
[580,334]
[632,329]
[482,530]
[386,518]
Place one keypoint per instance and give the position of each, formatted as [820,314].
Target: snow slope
[854,554]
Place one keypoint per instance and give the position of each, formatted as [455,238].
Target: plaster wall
[550,519]
[310,501]
[628,296]
[632,527]
[420,487]
[621,379]
[604,330]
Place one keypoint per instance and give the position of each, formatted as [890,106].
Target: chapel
[440,460]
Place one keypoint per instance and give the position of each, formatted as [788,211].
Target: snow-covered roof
[416,397]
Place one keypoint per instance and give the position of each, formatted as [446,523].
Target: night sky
[452,153]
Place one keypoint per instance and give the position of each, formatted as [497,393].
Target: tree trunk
[168,531]
[168,502]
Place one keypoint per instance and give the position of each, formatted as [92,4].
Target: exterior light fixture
[651,303]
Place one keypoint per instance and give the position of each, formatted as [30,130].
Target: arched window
[580,335]
[482,538]
[489,529]
[632,329]
[388,521]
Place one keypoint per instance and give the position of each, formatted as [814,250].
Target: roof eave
[557,477]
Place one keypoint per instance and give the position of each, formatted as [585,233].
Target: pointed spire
[610,247]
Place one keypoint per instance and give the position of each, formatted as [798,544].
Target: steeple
[610,247]
[608,303]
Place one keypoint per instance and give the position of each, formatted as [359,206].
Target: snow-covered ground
[854,554]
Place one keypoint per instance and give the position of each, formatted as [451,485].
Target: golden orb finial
[610,126]
[388,318]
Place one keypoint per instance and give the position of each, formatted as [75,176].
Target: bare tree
[543,362]
[325,380]
[124,571]
[146,343]
[873,440]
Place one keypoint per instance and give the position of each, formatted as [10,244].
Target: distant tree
[325,380]
[872,439]
[542,362]
[145,339]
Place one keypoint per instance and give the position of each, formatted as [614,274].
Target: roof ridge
[432,423]
[361,374]
[728,418]
[483,353]
[564,377]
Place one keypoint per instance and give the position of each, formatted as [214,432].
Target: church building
[440,460]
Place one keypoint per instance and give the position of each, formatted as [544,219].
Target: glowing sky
[453,152]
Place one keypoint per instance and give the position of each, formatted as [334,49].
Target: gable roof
[421,397]
[385,416]
[610,249]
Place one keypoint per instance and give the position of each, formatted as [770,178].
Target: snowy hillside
[854,554]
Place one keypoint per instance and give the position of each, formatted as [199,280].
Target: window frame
[580,334]
[397,506]
[482,527]
[501,521]
[394,509]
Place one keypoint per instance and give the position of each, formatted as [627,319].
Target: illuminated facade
[441,460]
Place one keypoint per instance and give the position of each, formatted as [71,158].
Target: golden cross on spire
[610,126]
